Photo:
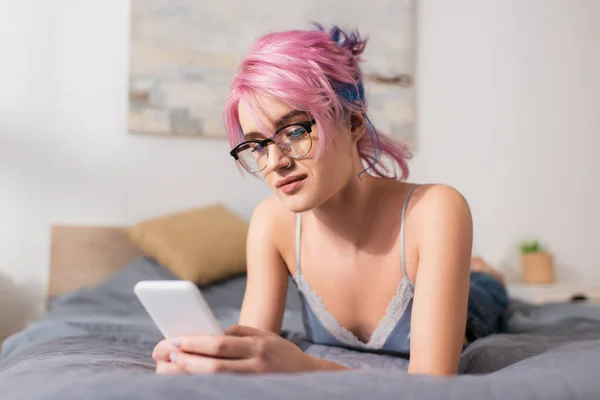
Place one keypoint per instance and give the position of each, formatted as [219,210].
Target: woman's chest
[356,288]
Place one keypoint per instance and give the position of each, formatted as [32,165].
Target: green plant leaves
[532,246]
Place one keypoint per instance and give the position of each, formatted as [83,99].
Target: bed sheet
[96,343]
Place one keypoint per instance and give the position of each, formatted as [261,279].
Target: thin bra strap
[404,207]
[298,236]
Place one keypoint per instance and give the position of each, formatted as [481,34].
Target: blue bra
[392,334]
[486,313]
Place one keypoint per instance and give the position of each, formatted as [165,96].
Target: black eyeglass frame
[307,125]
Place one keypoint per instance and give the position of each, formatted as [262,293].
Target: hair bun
[349,40]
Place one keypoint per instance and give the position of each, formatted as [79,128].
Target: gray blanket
[96,343]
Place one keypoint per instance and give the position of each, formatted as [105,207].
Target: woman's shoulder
[271,219]
[436,195]
[439,205]
[271,207]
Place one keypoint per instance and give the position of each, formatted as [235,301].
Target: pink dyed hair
[317,72]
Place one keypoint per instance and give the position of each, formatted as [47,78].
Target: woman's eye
[296,132]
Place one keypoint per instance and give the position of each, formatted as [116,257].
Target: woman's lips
[290,183]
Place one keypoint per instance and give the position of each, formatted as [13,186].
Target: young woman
[381,264]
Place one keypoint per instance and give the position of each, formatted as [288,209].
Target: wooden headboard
[85,255]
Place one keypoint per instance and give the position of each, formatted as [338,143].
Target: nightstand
[558,292]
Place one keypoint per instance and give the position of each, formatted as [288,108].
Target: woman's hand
[241,349]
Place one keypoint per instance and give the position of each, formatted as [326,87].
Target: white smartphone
[177,308]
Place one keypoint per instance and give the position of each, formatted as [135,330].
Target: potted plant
[537,266]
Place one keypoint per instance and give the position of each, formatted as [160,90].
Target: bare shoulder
[271,212]
[439,197]
[266,209]
[270,220]
[443,228]
[441,205]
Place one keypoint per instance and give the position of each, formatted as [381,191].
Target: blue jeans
[487,312]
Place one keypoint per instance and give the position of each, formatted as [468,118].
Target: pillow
[202,245]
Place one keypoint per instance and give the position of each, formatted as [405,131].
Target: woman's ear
[358,124]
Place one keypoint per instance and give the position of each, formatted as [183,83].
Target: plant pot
[537,268]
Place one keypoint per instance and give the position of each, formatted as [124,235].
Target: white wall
[508,93]
[509,100]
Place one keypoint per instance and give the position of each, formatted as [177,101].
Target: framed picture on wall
[183,54]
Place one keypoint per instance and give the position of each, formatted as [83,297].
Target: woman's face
[303,183]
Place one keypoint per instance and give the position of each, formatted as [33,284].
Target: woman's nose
[276,158]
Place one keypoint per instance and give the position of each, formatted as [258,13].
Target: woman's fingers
[162,350]
[217,346]
[242,330]
[195,364]
[168,368]
[239,342]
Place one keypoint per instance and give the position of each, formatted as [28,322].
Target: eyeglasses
[294,140]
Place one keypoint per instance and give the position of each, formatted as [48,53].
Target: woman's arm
[267,275]
[442,282]
[253,346]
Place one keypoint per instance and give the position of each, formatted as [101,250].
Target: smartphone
[177,308]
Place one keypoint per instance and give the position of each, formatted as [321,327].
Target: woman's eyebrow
[281,121]
[286,117]
[253,135]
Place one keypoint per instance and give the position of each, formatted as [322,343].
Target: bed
[95,342]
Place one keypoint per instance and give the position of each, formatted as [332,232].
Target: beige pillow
[202,245]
